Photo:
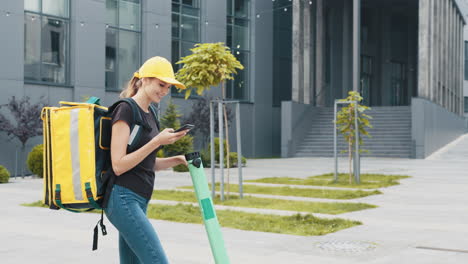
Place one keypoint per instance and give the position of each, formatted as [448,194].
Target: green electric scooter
[206,207]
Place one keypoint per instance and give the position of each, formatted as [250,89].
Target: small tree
[200,117]
[28,123]
[210,64]
[346,125]
[170,119]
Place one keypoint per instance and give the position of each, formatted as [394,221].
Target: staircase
[391,134]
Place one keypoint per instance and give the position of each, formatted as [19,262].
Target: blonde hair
[132,88]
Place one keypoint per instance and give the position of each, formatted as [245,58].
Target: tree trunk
[350,161]
[350,147]
[22,159]
[226,126]
[228,151]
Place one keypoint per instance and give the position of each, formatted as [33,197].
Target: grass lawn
[267,203]
[302,192]
[368,181]
[307,225]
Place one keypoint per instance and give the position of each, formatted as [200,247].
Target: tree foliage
[346,124]
[209,65]
[27,123]
[200,117]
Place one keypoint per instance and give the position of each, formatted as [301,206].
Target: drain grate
[347,246]
[444,249]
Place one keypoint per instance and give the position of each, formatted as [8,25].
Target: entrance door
[399,95]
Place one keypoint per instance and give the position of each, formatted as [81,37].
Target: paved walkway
[423,220]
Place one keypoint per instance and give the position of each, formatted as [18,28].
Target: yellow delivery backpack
[77,169]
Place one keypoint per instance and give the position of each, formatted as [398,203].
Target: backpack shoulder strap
[133,105]
[135,129]
[155,115]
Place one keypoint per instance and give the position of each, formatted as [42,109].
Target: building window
[238,39]
[282,53]
[185,29]
[46,41]
[466,60]
[466,104]
[123,42]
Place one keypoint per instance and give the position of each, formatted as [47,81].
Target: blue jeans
[138,241]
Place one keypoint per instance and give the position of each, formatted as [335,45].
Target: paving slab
[423,220]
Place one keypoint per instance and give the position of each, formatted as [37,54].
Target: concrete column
[457,69]
[214,13]
[423,48]
[307,51]
[319,51]
[213,29]
[298,52]
[12,71]
[461,63]
[156,40]
[444,54]
[347,48]
[436,53]
[356,43]
[431,51]
[88,59]
[452,56]
[439,52]
[455,59]
[459,58]
[449,55]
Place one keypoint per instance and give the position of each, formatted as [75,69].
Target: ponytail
[132,88]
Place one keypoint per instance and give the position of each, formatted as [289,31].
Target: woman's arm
[123,162]
[164,163]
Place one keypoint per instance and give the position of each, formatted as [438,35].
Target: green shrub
[160,154]
[206,158]
[206,155]
[170,119]
[181,168]
[4,175]
[35,160]
[233,159]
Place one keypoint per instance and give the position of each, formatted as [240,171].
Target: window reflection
[46,34]
[238,39]
[123,42]
[185,29]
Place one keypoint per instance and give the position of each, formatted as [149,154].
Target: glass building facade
[46,43]
[238,40]
[123,42]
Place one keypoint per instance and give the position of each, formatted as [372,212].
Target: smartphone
[185,127]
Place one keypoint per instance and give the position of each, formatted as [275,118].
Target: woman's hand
[164,163]
[182,160]
[167,136]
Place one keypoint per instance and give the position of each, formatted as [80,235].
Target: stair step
[391,134]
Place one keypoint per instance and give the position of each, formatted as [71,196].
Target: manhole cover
[346,246]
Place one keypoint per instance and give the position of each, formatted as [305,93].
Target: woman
[126,210]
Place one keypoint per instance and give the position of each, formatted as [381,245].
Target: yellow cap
[160,68]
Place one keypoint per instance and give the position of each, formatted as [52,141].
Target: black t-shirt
[139,179]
